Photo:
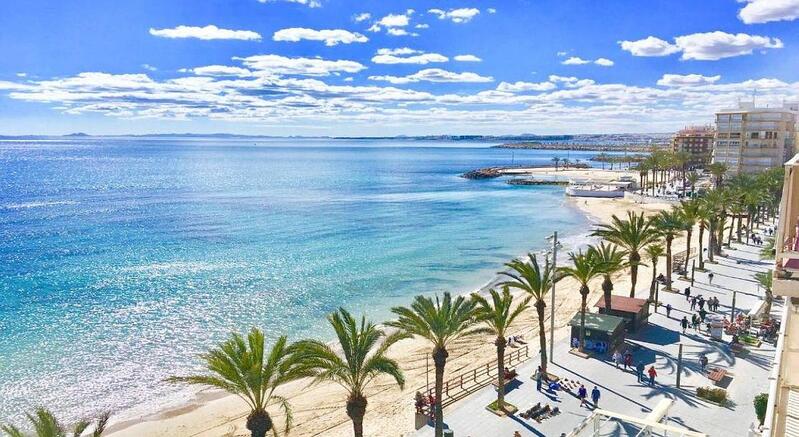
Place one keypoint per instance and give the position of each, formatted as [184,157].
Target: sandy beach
[319,409]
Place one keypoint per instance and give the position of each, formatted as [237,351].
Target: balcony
[786,266]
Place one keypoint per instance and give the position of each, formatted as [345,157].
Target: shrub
[713,394]
[761,403]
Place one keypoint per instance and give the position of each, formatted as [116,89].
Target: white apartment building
[751,139]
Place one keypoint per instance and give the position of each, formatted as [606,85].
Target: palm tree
[242,367]
[714,204]
[584,269]
[718,169]
[693,178]
[610,260]
[529,276]
[765,279]
[670,225]
[556,160]
[703,219]
[654,252]
[440,321]
[46,424]
[499,314]
[632,234]
[361,360]
[768,250]
[690,211]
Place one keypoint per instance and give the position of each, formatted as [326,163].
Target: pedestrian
[668,310]
[701,303]
[639,371]
[539,376]
[652,374]
[628,360]
[694,321]
[582,392]
[617,358]
[687,294]
[703,361]
[715,304]
[710,278]
[693,303]
[702,315]
[684,323]
[595,396]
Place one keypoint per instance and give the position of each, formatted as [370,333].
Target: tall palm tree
[714,204]
[498,315]
[765,279]
[670,225]
[718,170]
[45,424]
[610,260]
[362,359]
[632,234]
[584,268]
[693,178]
[703,220]
[690,211]
[243,367]
[537,282]
[556,160]
[654,252]
[440,321]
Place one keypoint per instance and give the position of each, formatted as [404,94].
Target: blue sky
[339,67]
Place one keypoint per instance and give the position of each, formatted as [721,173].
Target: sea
[122,259]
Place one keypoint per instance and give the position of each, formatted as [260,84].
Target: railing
[469,381]
[678,260]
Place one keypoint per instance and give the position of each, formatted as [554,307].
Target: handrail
[467,382]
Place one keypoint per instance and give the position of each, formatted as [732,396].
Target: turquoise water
[121,259]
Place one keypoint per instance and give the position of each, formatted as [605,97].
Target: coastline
[319,409]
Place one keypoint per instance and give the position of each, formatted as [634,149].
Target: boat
[597,189]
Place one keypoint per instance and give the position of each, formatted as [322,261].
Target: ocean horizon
[123,259]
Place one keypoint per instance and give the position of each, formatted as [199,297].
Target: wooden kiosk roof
[623,303]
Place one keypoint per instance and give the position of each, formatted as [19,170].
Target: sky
[389,67]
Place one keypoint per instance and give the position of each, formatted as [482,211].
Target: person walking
[693,303]
[595,396]
[701,303]
[710,278]
[668,310]
[652,374]
[687,294]
[628,360]
[617,358]
[702,315]
[582,392]
[639,371]
[684,323]
[539,376]
[703,361]
[695,322]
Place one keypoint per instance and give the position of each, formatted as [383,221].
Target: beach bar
[603,332]
[634,311]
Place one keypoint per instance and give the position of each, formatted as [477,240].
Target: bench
[716,375]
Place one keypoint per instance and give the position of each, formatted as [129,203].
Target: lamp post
[554,251]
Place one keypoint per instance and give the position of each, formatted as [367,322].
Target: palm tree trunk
[688,248]
[584,293]
[500,343]
[668,263]
[729,236]
[259,423]
[540,305]
[701,246]
[356,409]
[653,284]
[440,360]
[711,241]
[634,259]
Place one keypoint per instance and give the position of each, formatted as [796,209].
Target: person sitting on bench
[510,374]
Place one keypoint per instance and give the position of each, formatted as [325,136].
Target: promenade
[657,344]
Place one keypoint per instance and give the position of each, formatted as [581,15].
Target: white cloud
[562,53]
[435,75]
[467,58]
[349,79]
[491,11]
[363,16]
[394,20]
[460,15]
[148,67]
[604,62]
[649,46]
[22,74]
[309,3]
[218,70]
[422,26]
[206,33]
[575,60]
[764,11]
[406,55]
[525,86]
[276,64]
[394,24]
[331,37]
[708,46]
[678,80]
[711,46]
[397,31]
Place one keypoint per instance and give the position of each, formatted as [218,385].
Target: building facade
[750,139]
[697,142]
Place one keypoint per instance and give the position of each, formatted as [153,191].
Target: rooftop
[623,303]
[598,322]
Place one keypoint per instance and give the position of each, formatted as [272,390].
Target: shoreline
[319,409]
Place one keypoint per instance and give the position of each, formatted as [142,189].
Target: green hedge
[713,394]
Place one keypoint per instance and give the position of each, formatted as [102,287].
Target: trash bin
[449,433]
